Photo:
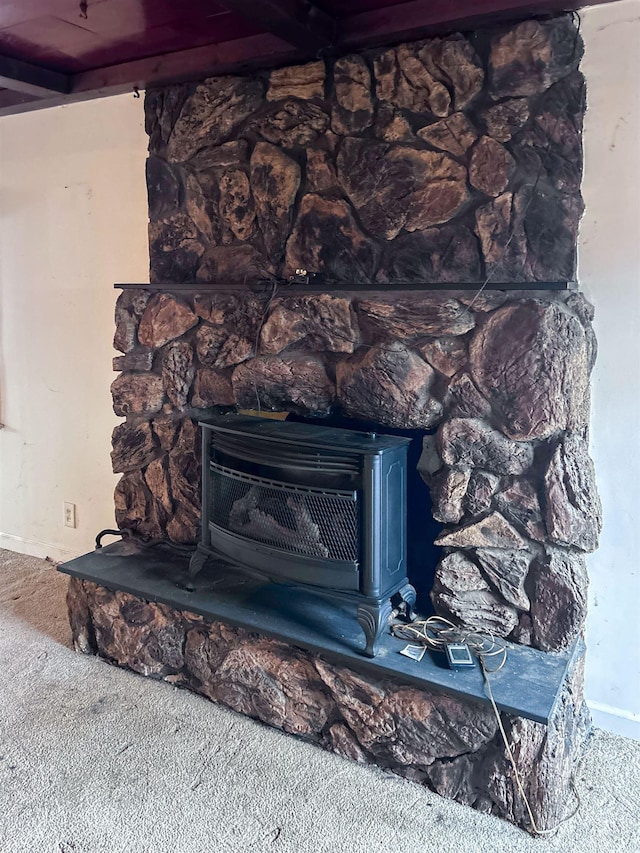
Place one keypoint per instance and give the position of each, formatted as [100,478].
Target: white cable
[436,632]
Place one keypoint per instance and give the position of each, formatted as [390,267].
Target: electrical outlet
[69,514]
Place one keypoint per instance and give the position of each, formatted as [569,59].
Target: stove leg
[373,618]
[197,561]
[407,602]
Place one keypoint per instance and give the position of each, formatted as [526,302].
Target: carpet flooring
[93,759]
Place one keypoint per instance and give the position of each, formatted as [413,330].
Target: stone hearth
[450,161]
[433,738]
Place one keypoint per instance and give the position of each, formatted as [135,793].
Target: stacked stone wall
[447,160]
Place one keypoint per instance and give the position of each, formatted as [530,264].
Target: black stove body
[309,505]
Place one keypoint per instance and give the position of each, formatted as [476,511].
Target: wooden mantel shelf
[297,289]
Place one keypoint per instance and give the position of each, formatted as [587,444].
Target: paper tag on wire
[414,652]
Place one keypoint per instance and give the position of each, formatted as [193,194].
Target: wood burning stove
[314,506]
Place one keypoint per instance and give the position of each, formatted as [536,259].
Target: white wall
[73,220]
[609,264]
[73,217]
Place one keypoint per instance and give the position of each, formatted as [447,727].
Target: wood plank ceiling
[55,51]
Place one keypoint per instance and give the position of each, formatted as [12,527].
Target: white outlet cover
[69,517]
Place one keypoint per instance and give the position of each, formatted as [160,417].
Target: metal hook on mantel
[136,92]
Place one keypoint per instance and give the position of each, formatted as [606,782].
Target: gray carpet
[93,758]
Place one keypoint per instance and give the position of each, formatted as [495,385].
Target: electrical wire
[436,632]
[552,830]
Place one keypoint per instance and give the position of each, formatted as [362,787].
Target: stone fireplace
[431,194]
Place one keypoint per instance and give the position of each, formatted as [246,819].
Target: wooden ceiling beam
[10,100]
[420,18]
[298,22]
[32,79]
[261,51]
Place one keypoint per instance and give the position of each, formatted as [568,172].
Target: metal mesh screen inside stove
[298,519]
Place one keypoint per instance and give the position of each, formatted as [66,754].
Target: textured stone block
[573,509]
[202,201]
[129,309]
[222,348]
[454,62]
[135,507]
[175,248]
[162,107]
[163,188]
[133,447]
[520,505]
[293,124]
[210,115]
[212,388]
[178,371]
[419,317]
[377,714]
[507,572]
[558,599]
[231,153]
[461,593]
[494,531]
[458,573]
[447,495]
[532,55]
[236,203]
[275,179]
[326,239]
[389,384]
[275,684]
[505,119]
[323,323]
[392,126]
[530,361]
[404,81]
[471,443]
[139,359]
[321,171]
[447,354]
[275,383]
[156,478]
[165,430]
[137,394]
[240,313]
[297,81]
[463,400]
[400,187]
[453,134]
[482,486]
[490,167]
[165,318]
[353,110]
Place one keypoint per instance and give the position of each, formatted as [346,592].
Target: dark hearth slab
[528,685]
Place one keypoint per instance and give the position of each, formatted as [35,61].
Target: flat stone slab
[527,686]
